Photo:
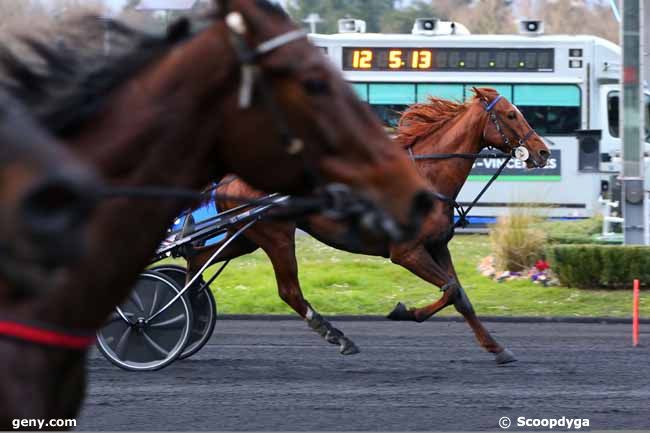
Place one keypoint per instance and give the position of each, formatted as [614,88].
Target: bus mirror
[589,150]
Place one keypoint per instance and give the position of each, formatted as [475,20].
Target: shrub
[600,266]
[516,243]
[572,232]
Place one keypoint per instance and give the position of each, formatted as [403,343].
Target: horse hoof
[400,312]
[349,348]
[505,357]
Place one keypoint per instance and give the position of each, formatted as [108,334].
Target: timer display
[448,59]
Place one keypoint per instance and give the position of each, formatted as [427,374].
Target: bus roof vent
[435,27]
[531,27]
[349,25]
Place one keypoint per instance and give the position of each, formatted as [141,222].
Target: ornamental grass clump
[517,242]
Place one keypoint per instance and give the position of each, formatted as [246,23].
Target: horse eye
[316,87]
[512,115]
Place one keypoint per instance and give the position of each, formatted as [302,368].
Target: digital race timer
[448,59]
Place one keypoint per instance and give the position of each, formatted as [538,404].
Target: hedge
[600,266]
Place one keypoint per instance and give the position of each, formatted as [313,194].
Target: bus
[567,87]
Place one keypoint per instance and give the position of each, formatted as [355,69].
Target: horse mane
[67,78]
[421,120]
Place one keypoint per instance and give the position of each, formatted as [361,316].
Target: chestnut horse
[179,111]
[439,127]
[45,195]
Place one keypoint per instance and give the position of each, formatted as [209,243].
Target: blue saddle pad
[201,214]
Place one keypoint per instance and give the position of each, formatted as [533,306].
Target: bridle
[341,201]
[252,77]
[519,152]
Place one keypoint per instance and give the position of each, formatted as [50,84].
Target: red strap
[45,337]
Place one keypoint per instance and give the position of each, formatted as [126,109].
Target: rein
[521,153]
[44,334]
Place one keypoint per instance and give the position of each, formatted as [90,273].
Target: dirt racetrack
[279,375]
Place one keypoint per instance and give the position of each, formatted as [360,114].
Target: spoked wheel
[133,341]
[204,309]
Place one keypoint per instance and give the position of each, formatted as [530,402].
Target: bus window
[388,101]
[550,109]
[613,101]
[361,89]
[453,92]
[389,114]
[613,118]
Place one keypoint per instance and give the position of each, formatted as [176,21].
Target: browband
[489,107]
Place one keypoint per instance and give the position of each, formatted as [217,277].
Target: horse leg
[417,259]
[278,242]
[464,306]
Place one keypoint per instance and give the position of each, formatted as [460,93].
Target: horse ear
[478,92]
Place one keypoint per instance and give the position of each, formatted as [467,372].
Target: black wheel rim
[205,315]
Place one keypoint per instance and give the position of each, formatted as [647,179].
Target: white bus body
[561,83]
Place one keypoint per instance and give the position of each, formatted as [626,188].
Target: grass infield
[336,282]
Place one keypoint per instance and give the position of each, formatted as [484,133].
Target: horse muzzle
[381,224]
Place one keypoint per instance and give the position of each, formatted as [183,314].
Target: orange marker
[635,314]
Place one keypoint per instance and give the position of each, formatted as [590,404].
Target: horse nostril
[55,207]
[544,154]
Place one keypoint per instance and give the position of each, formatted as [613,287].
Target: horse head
[508,130]
[315,129]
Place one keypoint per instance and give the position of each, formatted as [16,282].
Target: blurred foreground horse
[246,94]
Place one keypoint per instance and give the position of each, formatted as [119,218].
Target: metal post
[645,31]
[646,44]
[632,109]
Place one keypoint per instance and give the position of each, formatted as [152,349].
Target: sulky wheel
[204,308]
[133,342]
